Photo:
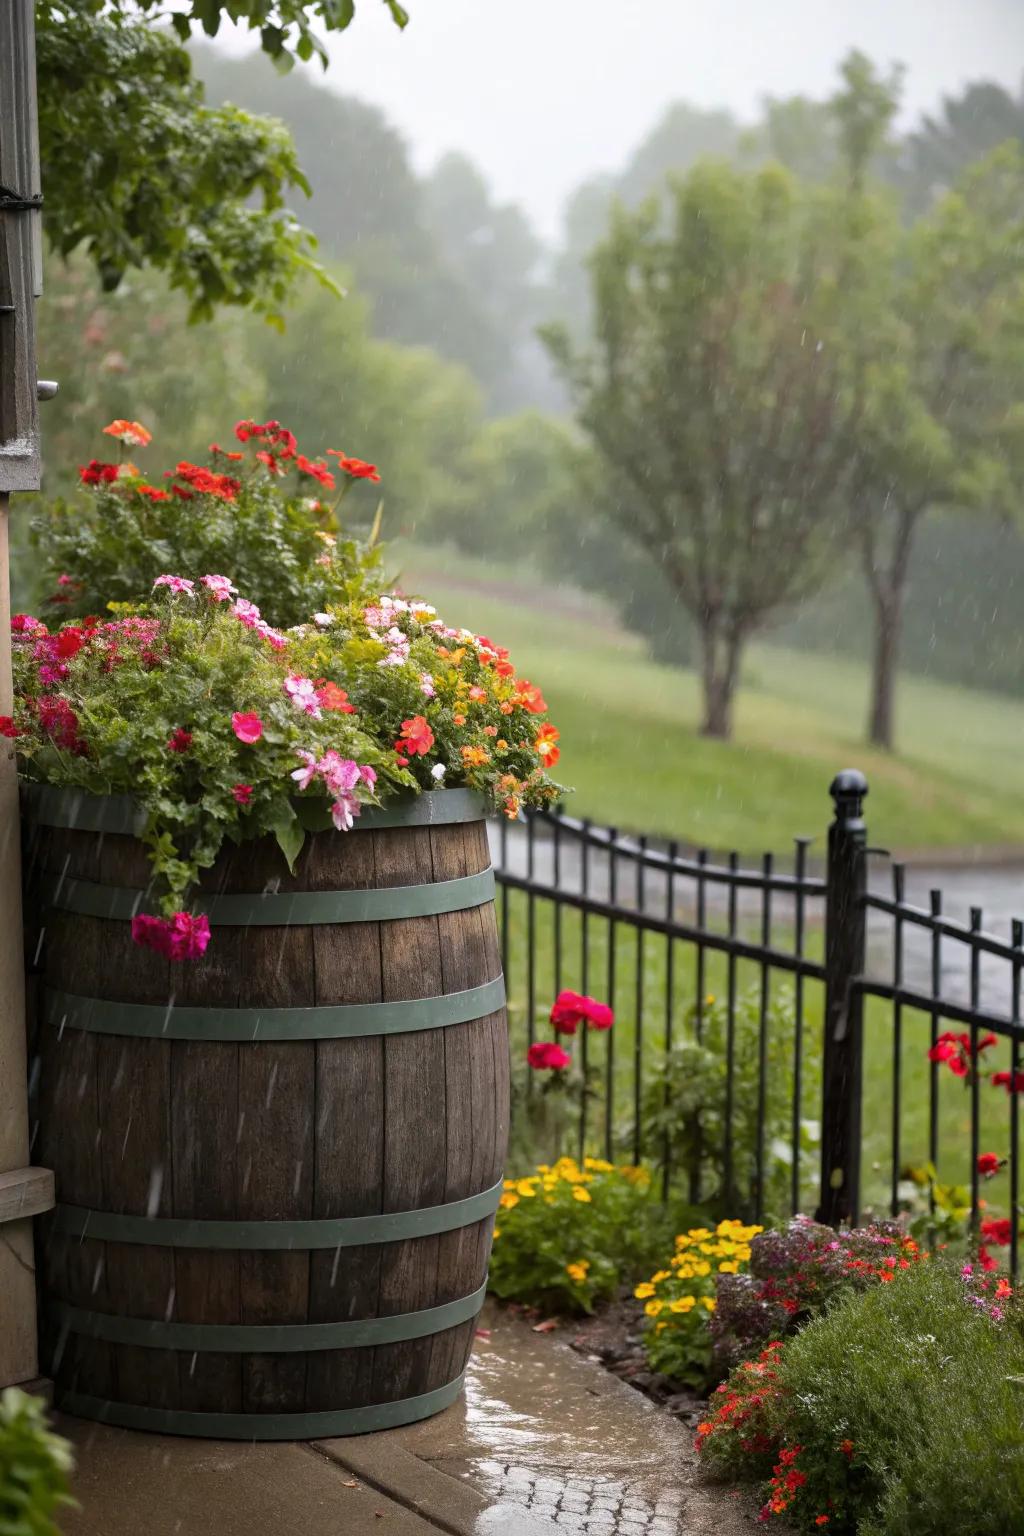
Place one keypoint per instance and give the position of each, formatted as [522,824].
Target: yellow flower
[644,1290]
[525,1187]
[698,1234]
[683,1304]
[663,1274]
[579,1193]
[702,1267]
[508,1201]
[653,1308]
[709,1302]
[578,1271]
[597,1165]
[660,1327]
[728,1267]
[543,1168]
[709,1001]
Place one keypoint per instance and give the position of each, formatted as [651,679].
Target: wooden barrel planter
[278,1165]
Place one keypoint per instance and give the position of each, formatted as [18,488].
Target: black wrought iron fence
[771,1049]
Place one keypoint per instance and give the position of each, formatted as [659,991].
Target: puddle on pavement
[556,1445]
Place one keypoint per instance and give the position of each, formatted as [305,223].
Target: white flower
[438,772]
[323,619]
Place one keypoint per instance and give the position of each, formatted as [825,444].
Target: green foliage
[274,535]
[165,181]
[928,1388]
[687,1106]
[569,1236]
[34,1467]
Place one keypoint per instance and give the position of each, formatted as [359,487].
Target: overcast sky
[543,92]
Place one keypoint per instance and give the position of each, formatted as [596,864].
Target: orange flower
[544,742]
[333,697]
[477,694]
[530,697]
[417,738]
[357,468]
[131,432]
[459,719]
[475,757]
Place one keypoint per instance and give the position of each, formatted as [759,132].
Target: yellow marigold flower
[663,1274]
[508,1201]
[728,1267]
[683,1240]
[644,1290]
[496,1233]
[525,1188]
[543,1168]
[660,1327]
[698,1234]
[686,1272]
[597,1165]
[683,1304]
[709,1302]
[702,1267]
[653,1308]
[709,1001]
[577,1272]
[509,1184]
[579,1193]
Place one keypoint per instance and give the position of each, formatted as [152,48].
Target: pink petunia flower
[305,775]
[242,793]
[344,811]
[302,692]
[247,727]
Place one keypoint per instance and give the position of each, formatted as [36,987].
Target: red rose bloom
[988,1164]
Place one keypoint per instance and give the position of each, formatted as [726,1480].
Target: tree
[946,424]
[968,128]
[722,393]
[138,170]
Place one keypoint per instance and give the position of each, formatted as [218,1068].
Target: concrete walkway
[544,1442]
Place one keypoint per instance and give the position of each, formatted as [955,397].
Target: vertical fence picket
[976,920]
[638,1011]
[670,907]
[935,911]
[898,895]
[767,865]
[609,1090]
[584,981]
[730,1039]
[799,912]
[1016,971]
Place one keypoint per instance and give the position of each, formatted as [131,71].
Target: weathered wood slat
[273,1131]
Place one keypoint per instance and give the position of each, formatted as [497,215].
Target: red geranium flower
[416,739]
[96,472]
[181,740]
[316,468]
[988,1164]
[570,1007]
[998,1230]
[247,727]
[530,697]
[1012,1084]
[242,793]
[357,468]
[544,742]
[545,1055]
[8,727]
[333,697]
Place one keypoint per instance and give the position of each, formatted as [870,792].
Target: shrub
[680,1300]
[895,1413]
[686,1107]
[267,514]
[795,1273]
[34,1467]
[222,727]
[571,1235]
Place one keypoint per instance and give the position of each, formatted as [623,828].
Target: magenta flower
[247,727]
[305,775]
[344,811]
[181,937]
[220,587]
[176,584]
[242,793]
[303,695]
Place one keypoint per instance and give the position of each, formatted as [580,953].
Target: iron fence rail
[651,929]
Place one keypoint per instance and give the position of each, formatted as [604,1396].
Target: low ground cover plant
[897,1412]
[572,1234]
[259,508]
[680,1300]
[34,1468]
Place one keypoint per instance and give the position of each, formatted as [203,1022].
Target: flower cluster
[221,725]
[256,511]
[795,1272]
[566,1232]
[568,1012]
[959,1052]
[679,1299]
[739,1425]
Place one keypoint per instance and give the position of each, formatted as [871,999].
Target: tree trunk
[720,658]
[888,624]
[887,583]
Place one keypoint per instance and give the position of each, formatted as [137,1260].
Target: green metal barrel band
[78,1222]
[267,1339]
[337,1021]
[78,811]
[282,909]
[263,1426]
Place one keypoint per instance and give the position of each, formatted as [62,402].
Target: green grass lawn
[632,752]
